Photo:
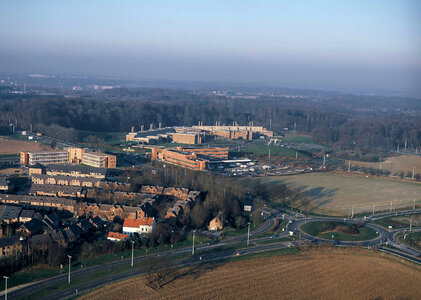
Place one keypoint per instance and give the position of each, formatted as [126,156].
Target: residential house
[141,226]
[26,215]
[116,236]
[10,246]
[30,228]
[5,184]
[216,223]
[9,214]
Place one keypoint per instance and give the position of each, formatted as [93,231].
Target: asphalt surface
[217,251]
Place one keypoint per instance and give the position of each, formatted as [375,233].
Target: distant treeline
[346,122]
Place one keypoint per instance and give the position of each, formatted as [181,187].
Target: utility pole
[248,234]
[352,212]
[414,204]
[5,290]
[194,233]
[349,166]
[269,151]
[413,173]
[410,225]
[132,251]
[324,161]
[374,207]
[391,206]
[70,259]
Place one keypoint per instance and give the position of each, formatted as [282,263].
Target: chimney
[141,127]
[151,127]
[160,125]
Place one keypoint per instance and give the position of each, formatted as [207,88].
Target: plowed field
[314,275]
[9,146]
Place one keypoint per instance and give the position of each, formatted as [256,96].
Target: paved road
[295,221]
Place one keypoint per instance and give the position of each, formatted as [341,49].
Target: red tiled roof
[117,235]
[135,223]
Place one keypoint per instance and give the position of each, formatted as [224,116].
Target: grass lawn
[34,274]
[412,239]
[260,148]
[314,228]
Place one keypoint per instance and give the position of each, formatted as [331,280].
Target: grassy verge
[276,240]
[315,229]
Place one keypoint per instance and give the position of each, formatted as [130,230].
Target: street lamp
[194,233]
[248,234]
[132,251]
[70,259]
[5,290]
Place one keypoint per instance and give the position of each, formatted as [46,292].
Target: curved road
[294,225]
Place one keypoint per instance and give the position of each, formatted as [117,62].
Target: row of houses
[40,202]
[179,193]
[55,190]
[69,170]
[12,214]
[110,211]
[40,233]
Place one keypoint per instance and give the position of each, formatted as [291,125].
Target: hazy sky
[317,44]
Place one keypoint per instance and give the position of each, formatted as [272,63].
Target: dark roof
[66,177]
[33,226]
[27,213]
[57,235]
[27,199]
[51,220]
[82,169]
[10,212]
[97,221]
[9,241]
[54,188]
[3,181]
[40,239]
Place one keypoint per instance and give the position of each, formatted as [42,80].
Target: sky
[307,44]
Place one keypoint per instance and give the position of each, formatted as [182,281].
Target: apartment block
[99,160]
[44,158]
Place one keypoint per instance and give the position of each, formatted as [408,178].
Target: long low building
[40,202]
[65,180]
[109,211]
[76,171]
[189,158]
[55,190]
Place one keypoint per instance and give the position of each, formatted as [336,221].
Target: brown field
[337,193]
[317,274]
[9,146]
[395,164]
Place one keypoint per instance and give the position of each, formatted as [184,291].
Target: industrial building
[189,158]
[236,132]
[192,138]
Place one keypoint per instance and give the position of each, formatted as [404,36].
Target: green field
[337,194]
[260,148]
[315,228]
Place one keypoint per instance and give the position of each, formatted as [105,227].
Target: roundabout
[339,231]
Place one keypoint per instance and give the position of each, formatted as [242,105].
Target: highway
[220,250]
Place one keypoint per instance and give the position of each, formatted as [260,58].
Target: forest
[342,121]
